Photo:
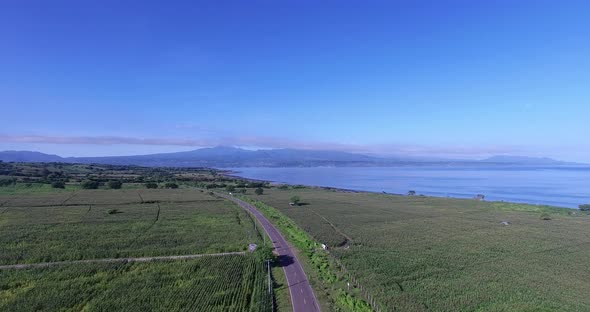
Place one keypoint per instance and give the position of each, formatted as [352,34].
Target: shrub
[151,185]
[545,216]
[171,185]
[89,185]
[58,184]
[230,188]
[115,184]
[295,200]
[7,181]
[411,193]
[258,191]
[585,207]
[113,211]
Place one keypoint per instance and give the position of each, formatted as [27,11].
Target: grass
[228,283]
[62,226]
[440,254]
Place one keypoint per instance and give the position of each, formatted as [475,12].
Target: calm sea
[556,186]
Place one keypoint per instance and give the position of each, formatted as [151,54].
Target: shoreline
[234,174]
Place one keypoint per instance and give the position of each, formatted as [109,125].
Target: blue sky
[462,79]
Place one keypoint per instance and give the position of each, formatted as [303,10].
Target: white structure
[324,247]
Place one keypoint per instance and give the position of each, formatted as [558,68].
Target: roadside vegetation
[325,272]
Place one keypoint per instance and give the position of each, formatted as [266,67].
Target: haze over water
[556,186]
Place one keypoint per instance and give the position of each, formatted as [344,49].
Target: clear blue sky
[440,78]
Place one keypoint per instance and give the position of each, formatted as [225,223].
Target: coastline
[234,175]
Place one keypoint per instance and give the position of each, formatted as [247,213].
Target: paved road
[142,259]
[302,297]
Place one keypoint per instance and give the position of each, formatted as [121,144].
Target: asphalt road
[302,297]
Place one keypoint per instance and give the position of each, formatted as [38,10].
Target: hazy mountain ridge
[223,156]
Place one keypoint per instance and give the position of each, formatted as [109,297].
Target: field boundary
[111,260]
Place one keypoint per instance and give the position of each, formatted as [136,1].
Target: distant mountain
[224,156]
[26,156]
[523,160]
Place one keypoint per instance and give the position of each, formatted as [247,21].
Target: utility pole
[268,268]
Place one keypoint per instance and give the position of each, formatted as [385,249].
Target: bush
[58,184]
[115,184]
[230,188]
[89,185]
[295,200]
[411,193]
[585,207]
[113,211]
[545,216]
[7,181]
[259,191]
[171,185]
[283,187]
[151,185]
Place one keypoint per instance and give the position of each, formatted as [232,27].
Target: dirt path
[348,239]
[123,260]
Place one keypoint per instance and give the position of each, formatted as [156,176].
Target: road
[302,297]
[142,259]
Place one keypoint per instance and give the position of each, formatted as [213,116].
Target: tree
[411,193]
[171,185]
[89,185]
[115,185]
[151,185]
[295,200]
[58,184]
[585,207]
[258,191]
[230,188]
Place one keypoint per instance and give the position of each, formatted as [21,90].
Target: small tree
[90,185]
[411,193]
[295,200]
[171,185]
[115,185]
[58,184]
[151,185]
[258,191]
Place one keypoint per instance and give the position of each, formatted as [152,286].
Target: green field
[228,283]
[77,225]
[438,254]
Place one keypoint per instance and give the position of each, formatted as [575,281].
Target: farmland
[42,223]
[228,283]
[92,224]
[416,253]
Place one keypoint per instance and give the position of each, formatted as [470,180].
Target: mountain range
[223,156]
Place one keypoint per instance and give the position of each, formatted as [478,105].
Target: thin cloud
[270,142]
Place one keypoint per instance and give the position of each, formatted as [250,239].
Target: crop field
[91,224]
[227,283]
[438,254]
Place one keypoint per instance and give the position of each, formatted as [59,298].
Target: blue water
[556,186]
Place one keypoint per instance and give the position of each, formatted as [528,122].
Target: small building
[480,197]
